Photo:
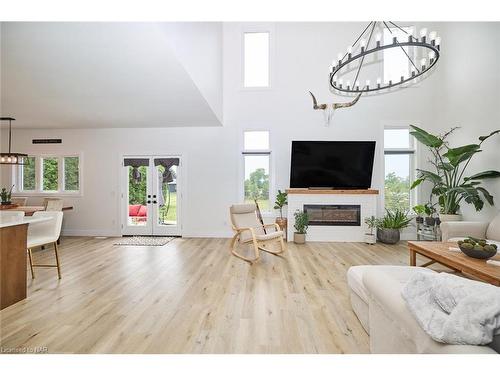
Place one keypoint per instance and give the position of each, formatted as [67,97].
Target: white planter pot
[448,217]
[370,239]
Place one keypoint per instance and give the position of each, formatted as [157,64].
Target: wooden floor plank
[192,296]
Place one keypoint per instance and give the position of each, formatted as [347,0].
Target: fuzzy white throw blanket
[452,309]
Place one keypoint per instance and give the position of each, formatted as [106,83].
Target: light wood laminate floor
[192,296]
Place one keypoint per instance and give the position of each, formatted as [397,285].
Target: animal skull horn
[334,105]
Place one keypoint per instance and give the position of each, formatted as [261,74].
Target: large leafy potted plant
[5,196]
[390,226]
[301,225]
[279,203]
[450,182]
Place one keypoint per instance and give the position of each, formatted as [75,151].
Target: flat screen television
[332,164]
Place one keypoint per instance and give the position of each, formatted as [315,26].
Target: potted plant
[419,209]
[390,226]
[450,184]
[301,224]
[6,195]
[371,223]
[429,210]
[279,203]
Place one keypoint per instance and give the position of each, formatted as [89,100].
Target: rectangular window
[49,173]
[28,181]
[256,163]
[399,168]
[71,173]
[396,63]
[256,59]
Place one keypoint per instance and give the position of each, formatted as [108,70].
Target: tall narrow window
[71,173]
[28,181]
[399,168]
[256,160]
[396,63]
[256,59]
[50,174]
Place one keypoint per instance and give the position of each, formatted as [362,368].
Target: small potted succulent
[390,226]
[301,224]
[6,195]
[371,223]
[280,202]
[430,220]
[420,211]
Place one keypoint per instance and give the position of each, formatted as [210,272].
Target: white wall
[213,170]
[469,97]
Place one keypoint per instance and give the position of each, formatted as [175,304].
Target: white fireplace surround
[367,199]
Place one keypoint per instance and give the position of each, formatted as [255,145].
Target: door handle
[154,202]
[148,202]
[154,196]
[149,195]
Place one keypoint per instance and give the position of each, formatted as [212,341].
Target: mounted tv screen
[332,164]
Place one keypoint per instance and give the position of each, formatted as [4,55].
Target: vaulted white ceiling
[102,75]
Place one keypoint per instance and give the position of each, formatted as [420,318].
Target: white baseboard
[90,233]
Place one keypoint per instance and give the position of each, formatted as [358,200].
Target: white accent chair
[8,215]
[45,233]
[457,230]
[377,302]
[53,204]
[249,230]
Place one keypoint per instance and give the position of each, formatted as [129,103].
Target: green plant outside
[50,176]
[396,192]
[257,188]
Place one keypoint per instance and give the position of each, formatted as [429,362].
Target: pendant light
[11,158]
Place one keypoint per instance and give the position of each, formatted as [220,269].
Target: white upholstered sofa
[376,300]
[455,230]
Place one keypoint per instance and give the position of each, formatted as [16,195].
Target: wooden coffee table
[438,252]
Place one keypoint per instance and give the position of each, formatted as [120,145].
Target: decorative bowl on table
[476,248]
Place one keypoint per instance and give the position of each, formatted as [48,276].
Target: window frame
[411,151]
[257,28]
[18,176]
[249,152]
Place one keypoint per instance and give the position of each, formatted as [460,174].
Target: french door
[151,195]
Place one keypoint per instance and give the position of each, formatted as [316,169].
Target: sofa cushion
[493,231]
[133,209]
[143,211]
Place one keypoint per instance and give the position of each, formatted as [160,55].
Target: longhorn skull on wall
[328,109]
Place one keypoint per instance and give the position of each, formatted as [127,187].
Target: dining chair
[249,230]
[53,204]
[11,214]
[20,201]
[45,233]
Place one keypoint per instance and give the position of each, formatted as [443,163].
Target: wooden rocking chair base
[257,245]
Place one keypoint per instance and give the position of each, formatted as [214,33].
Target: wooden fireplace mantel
[331,191]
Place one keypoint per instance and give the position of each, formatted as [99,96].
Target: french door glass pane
[397,181]
[71,173]
[29,182]
[167,195]
[50,174]
[257,180]
[137,195]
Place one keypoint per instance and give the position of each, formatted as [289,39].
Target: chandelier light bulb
[378,37]
[423,32]
[9,159]
[423,62]
[438,40]
[357,85]
[379,81]
[367,83]
[2,159]
[341,82]
[339,57]
[432,55]
[349,49]
[432,35]
[348,85]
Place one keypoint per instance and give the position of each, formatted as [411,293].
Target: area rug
[143,241]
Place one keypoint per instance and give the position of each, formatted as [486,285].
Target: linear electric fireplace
[333,214]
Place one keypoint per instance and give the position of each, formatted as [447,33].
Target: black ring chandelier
[340,67]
